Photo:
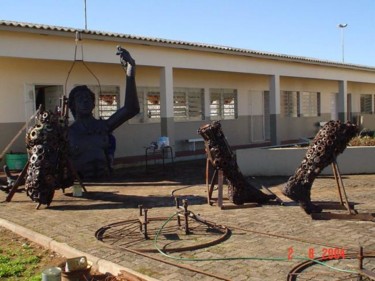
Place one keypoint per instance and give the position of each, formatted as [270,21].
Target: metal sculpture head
[81,101]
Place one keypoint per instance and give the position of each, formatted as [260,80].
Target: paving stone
[256,232]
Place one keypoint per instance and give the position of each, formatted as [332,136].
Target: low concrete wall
[284,161]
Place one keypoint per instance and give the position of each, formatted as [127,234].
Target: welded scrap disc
[171,238]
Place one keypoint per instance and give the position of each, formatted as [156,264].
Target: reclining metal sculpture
[88,136]
[329,142]
[222,158]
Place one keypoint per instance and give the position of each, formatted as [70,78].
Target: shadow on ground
[113,200]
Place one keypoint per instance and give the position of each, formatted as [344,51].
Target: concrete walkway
[264,244]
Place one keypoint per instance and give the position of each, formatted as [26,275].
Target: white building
[261,98]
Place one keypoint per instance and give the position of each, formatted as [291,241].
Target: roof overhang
[166,43]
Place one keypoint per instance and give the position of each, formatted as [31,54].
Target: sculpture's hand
[126,60]
[131,103]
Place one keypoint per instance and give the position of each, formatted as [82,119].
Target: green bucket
[16,161]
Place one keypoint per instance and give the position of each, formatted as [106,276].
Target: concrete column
[274,85]
[342,101]
[166,104]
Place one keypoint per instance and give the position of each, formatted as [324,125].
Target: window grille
[366,103]
[188,104]
[107,99]
[149,104]
[289,104]
[309,104]
[223,104]
[153,105]
[300,104]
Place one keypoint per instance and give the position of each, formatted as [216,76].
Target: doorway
[46,95]
[259,116]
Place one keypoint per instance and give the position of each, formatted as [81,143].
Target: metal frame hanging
[78,38]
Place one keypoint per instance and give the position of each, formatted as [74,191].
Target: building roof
[68,31]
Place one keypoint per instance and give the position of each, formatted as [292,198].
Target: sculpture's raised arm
[131,104]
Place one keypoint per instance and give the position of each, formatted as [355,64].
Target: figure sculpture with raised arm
[88,136]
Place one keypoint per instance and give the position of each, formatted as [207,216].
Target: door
[259,115]
[47,96]
[334,106]
[29,97]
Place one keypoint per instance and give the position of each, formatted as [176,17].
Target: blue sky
[305,28]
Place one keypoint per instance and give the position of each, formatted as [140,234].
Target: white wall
[45,59]
[33,45]
[284,161]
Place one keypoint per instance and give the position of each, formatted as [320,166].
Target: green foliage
[18,264]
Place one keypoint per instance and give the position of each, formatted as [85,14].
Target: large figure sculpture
[329,142]
[221,157]
[88,136]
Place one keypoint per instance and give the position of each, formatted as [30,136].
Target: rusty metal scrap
[329,142]
[222,158]
[46,143]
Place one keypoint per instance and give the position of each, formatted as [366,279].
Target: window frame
[300,104]
[145,114]
[221,110]
[105,90]
[369,103]
[192,104]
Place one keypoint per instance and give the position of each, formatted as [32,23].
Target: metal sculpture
[48,168]
[88,136]
[329,142]
[222,158]
[59,154]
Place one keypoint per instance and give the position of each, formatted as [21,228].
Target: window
[149,103]
[366,103]
[300,104]
[107,99]
[223,104]
[289,104]
[309,104]
[188,104]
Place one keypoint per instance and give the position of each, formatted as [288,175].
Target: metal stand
[341,188]
[218,177]
[352,214]
[21,179]
[17,183]
[143,219]
[165,150]
[361,270]
[182,211]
